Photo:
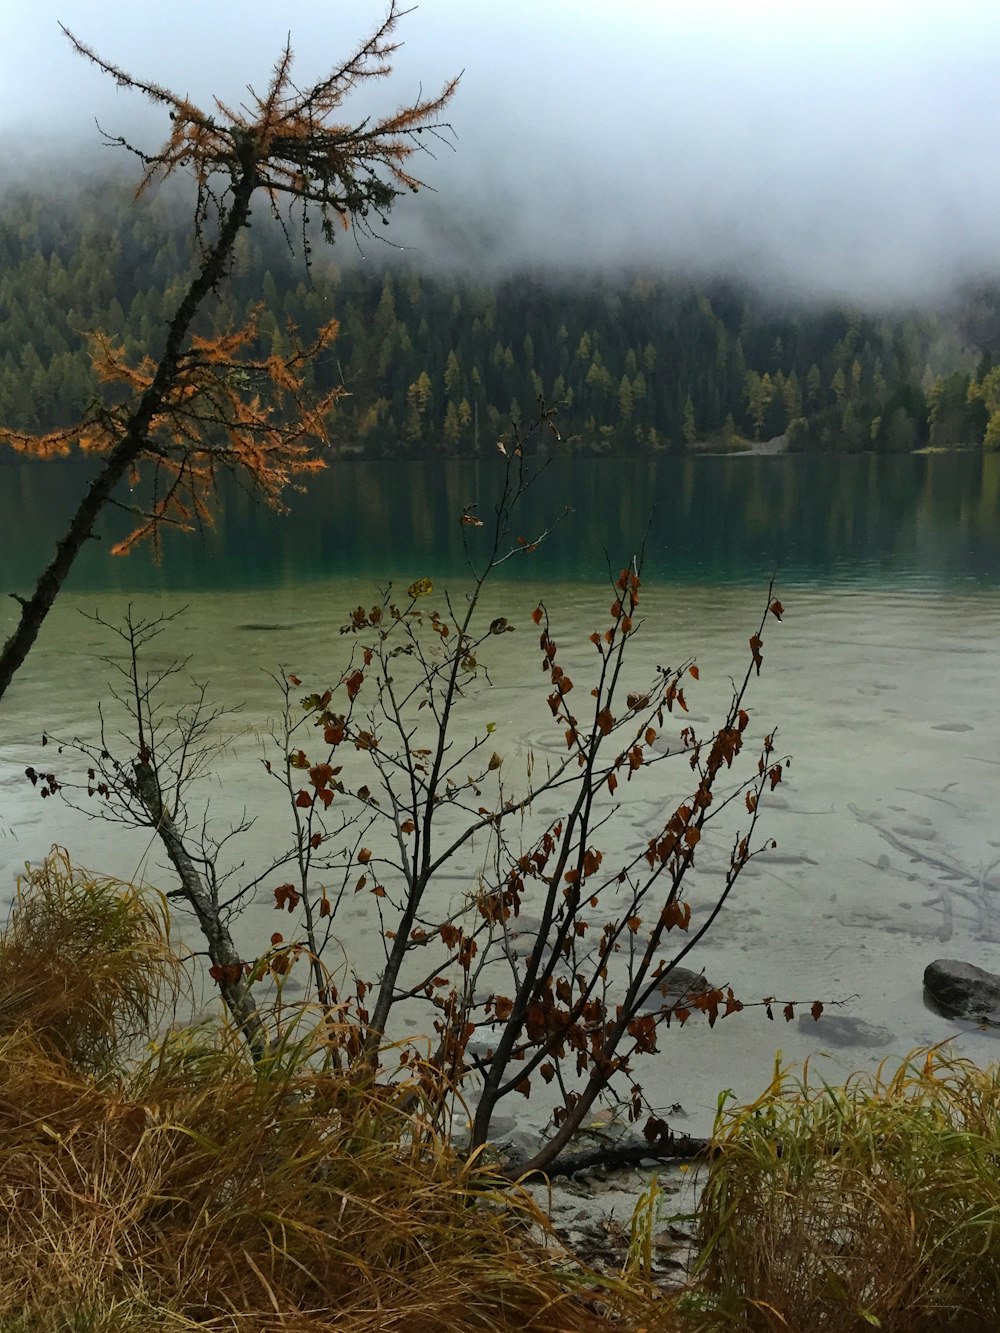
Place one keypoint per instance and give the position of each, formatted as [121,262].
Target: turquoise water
[928,521]
[881,680]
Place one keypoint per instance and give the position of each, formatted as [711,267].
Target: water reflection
[916,520]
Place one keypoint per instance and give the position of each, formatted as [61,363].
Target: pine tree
[689,428]
[626,400]
[452,374]
[814,386]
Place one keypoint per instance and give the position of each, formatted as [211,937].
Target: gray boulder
[962,990]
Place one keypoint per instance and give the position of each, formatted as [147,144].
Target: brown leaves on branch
[286,898]
[228,973]
[352,683]
[584,985]
[756,644]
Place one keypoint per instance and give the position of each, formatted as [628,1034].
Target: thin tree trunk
[222,951]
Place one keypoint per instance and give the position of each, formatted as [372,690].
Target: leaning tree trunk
[135,434]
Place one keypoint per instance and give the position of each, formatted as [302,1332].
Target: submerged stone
[842,1030]
[679,985]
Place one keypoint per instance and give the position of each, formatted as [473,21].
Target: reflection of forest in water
[927,519]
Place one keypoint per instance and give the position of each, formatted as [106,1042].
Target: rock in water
[962,990]
[842,1030]
[678,987]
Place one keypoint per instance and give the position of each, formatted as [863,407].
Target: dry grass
[875,1204]
[174,1186]
[185,1189]
[85,963]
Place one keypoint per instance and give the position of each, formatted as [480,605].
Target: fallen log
[617,1157]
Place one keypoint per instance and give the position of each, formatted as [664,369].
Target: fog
[824,149]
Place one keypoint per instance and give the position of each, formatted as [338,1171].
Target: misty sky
[830,148]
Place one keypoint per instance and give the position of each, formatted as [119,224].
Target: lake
[881,680]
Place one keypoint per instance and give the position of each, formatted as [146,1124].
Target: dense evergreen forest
[439,362]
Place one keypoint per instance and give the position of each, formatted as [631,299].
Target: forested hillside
[436,362]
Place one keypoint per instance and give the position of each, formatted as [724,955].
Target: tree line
[443,363]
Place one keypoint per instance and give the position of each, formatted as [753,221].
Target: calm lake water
[882,680]
[918,520]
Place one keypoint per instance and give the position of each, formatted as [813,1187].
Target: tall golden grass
[85,962]
[167,1183]
[182,1188]
[871,1205]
